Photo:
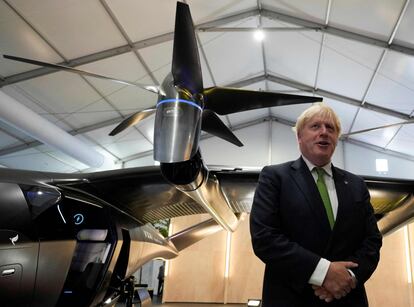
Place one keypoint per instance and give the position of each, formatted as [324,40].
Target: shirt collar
[327,168]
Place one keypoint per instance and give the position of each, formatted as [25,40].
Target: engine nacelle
[177,124]
[187,175]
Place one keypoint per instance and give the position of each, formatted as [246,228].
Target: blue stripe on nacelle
[191,103]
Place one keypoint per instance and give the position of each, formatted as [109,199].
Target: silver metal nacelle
[177,124]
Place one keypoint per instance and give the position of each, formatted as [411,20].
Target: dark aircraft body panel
[63,246]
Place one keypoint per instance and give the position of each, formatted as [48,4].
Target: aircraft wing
[145,194]
[393,202]
[142,192]
[392,199]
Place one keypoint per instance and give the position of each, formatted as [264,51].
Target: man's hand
[338,282]
[323,294]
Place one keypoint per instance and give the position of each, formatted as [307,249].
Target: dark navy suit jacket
[290,233]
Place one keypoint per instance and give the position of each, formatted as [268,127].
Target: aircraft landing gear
[128,292]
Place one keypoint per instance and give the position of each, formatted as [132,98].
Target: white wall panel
[394,85]
[310,10]
[203,11]
[126,143]
[246,116]
[369,119]
[292,55]
[7,140]
[13,30]
[361,161]
[233,55]
[347,66]
[145,161]
[403,140]
[338,157]
[75,27]
[404,35]
[144,19]
[33,159]
[252,154]
[284,144]
[370,17]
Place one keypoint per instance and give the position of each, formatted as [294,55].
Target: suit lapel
[303,178]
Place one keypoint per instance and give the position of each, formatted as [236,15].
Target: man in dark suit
[312,224]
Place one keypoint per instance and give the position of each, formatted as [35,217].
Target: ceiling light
[381,165]
[259,35]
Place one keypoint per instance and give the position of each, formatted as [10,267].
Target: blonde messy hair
[317,109]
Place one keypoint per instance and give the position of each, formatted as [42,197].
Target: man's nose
[323,129]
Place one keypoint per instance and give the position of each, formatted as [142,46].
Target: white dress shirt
[322,267]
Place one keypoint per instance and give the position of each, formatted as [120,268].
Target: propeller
[410,121]
[184,107]
[132,120]
[151,88]
[220,99]
[212,124]
[186,68]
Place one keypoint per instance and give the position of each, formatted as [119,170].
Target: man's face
[317,140]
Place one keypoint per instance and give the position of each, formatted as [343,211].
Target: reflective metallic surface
[215,202]
[146,244]
[392,200]
[177,124]
[239,187]
[385,201]
[193,234]
[398,218]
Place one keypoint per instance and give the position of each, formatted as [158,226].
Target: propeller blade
[186,68]
[151,88]
[132,120]
[410,121]
[224,100]
[212,124]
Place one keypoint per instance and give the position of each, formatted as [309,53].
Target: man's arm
[367,255]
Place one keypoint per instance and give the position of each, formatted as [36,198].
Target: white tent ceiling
[357,54]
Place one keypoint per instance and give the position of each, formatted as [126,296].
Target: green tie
[324,195]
